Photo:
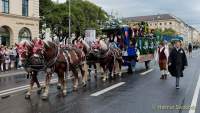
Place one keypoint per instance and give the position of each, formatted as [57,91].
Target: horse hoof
[104,79]
[27,97]
[64,94]
[58,87]
[39,91]
[84,85]
[75,89]
[44,97]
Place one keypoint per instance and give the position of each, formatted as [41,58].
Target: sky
[187,10]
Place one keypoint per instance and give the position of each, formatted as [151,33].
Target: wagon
[144,44]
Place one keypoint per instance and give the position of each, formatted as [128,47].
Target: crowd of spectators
[9,58]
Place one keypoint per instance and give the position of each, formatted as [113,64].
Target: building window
[4,36]
[24,34]
[5,6]
[160,23]
[24,7]
[170,23]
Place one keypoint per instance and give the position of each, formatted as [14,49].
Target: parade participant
[190,49]
[177,62]
[131,50]
[162,58]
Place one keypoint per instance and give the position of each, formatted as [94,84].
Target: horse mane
[103,45]
[29,43]
[46,42]
[86,44]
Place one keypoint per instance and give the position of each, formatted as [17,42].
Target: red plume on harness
[38,45]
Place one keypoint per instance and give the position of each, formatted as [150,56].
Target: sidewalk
[12,73]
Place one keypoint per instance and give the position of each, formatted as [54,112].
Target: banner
[90,36]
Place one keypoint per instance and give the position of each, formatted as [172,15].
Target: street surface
[140,92]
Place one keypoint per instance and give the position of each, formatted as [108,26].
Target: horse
[84,46]
[71,59]
[24,49]
[44,57]
[60,60]
[109,58]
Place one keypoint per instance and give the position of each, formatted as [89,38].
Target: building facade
[19,20]
[166,21]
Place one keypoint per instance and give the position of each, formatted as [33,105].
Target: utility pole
[69,40]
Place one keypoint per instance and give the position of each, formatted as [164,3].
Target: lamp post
[69,21]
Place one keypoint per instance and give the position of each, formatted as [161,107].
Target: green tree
[169,32]
[84,15]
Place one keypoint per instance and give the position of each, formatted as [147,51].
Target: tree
[167,32]
[84,15]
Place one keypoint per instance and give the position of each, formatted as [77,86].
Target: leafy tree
[84,15]
[169,32]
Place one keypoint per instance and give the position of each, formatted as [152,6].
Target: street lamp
[69,21]
[69,41]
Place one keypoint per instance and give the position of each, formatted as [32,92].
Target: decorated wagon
[138,43]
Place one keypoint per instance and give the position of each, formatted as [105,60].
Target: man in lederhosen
[162,58]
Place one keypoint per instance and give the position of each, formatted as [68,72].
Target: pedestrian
[177,62]
[13,56]
[190,49]
[162,59]
[7,58]
[2,57]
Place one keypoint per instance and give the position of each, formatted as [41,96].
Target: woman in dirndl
[162,58]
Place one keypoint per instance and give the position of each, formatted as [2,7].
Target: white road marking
[12,74]
[21,88]
[107,89]
[146,72]
[195,97]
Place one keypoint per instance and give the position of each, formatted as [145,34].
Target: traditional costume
[162,58]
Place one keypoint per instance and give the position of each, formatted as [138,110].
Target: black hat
[176,40]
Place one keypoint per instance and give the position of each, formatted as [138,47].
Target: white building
[166,21]
[19,19]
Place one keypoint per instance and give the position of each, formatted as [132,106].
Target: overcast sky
[187,10]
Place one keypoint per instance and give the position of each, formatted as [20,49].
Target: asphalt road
[141,92]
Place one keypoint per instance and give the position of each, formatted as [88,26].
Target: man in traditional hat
[162,58]
[177,62]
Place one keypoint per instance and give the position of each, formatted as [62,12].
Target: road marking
[12,74]
[146,72]
[21,88]
[195,97]
[107,89]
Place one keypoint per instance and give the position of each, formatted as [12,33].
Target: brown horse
[71,59]
[60,61]
[108,58]
[24,49]
[44,57]
[83,45]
